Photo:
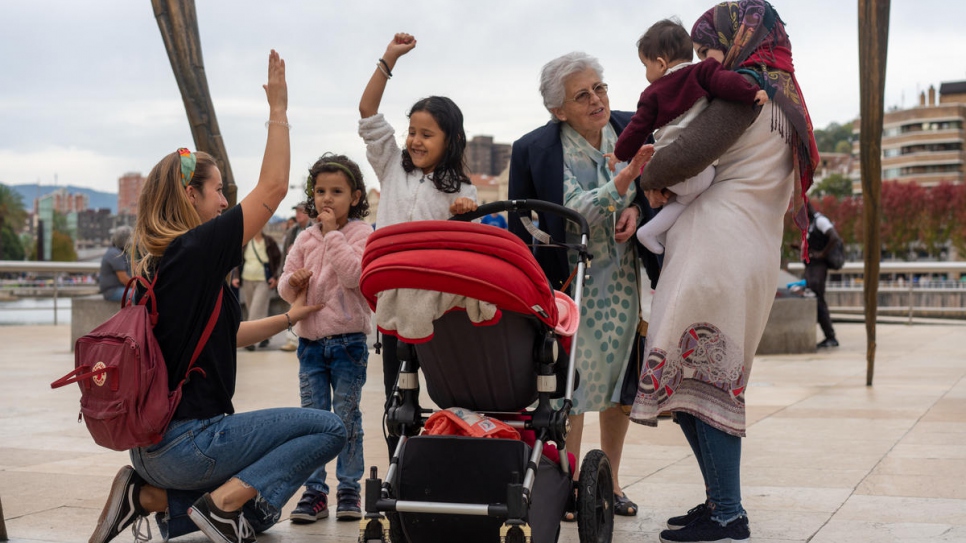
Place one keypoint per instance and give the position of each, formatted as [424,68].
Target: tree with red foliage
[902,214]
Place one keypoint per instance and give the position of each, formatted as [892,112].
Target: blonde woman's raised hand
[276,89]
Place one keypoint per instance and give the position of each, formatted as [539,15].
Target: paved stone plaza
[827,459]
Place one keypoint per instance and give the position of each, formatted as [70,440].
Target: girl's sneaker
[706,530]
[312,507]
[348,508]
[676,523]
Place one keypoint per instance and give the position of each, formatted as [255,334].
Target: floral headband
[188,163]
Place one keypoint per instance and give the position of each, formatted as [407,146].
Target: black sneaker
[263,344]
[348,508]
[676,523]
[705,530]
[122,509]
[312,506]
[828,342]
[220,526]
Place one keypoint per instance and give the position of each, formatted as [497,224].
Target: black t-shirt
[191,271]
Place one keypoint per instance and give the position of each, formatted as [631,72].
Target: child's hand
[761,97]
[326,221]
[611,161]
[401,44]
[462,205]
[299,278]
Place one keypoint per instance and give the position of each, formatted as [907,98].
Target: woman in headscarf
[722,256]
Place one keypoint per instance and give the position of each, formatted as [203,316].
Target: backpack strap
[203,340]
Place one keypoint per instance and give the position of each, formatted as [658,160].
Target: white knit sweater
[403,196]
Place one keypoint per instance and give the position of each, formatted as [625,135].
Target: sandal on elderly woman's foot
[623,506]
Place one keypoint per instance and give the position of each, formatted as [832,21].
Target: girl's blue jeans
[719,458]
[332,371]
[271,450]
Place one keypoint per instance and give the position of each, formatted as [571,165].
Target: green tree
[844,147]
[62,248]
[12,217]
[827,140]
[835,184]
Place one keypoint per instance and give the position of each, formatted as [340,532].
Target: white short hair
[555,73]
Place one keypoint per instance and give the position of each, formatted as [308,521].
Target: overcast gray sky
[87,92]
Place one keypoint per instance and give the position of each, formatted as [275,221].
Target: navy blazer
[536,172]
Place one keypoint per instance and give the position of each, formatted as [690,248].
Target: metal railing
[912,283]
[57,271]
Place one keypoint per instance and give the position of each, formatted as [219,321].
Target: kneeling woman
[227,474]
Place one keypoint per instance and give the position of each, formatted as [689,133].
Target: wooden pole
[873,43]
[3,525]
[178,23]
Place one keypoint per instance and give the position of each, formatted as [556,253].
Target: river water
[34,311]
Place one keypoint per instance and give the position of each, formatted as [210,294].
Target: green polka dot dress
[609,308]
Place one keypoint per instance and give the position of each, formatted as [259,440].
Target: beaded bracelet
[287,318]
[280,123]
[383,70]
[386,66]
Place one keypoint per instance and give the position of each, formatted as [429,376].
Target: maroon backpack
[122,376]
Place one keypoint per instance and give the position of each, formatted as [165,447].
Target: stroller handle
[527,205]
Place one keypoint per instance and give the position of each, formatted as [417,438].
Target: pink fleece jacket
[336,262]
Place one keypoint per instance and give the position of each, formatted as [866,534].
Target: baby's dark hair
[333,163]
[450,173]
[666,39]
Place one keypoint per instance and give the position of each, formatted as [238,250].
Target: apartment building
[923,144]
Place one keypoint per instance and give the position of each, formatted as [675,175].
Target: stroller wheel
[396,534]
[595,499]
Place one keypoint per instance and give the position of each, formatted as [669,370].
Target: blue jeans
[271,450]
[114,294]
[332,371]
[719,458]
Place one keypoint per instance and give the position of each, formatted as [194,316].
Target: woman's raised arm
[260,204]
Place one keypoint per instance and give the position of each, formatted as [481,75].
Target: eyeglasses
[583,97]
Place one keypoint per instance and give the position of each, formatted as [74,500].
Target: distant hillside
[97,199]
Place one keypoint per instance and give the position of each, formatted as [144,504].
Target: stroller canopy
[477,261]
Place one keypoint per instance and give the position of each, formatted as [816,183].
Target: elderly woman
[563,162]
[708,317]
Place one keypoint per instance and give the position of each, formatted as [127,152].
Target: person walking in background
[707,319]
[333,356]
[257,277]
[116,265]
[301,222]
[425,181]
[822,238]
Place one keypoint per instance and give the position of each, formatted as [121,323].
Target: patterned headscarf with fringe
[753,38]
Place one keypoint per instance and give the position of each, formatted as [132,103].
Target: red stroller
[497,358]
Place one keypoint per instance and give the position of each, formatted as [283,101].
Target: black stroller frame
[404,417]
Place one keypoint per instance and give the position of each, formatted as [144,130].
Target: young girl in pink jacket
[327,258]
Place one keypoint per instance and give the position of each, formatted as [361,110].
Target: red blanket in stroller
[461,266]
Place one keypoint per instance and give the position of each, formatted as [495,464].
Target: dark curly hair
[333,163]
[450,173]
